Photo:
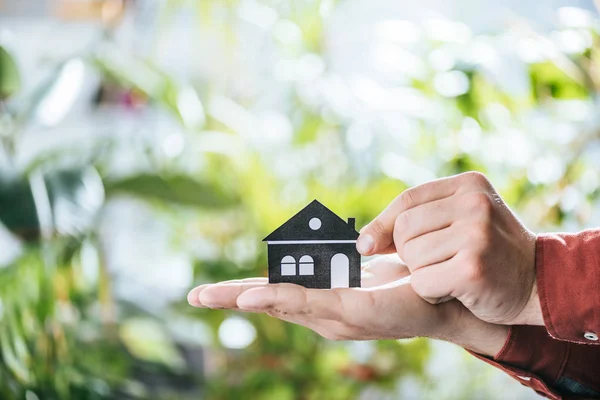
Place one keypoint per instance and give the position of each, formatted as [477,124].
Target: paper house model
[316,249]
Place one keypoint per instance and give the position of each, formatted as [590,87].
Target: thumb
[378,236]
[375,239]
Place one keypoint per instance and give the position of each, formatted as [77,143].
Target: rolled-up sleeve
[568,280]
[560,360]
[553,368]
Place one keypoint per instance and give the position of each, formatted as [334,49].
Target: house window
[314,223]
[307,265]
[288,266]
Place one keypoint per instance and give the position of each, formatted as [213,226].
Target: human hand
[460,240]
[386,307]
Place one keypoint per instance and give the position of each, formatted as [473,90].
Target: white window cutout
[340,271]
[288,266]
[314,223]
[307,265]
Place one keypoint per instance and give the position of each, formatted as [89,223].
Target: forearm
[485,339]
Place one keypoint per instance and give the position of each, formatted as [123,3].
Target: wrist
[476,335]
[532,313]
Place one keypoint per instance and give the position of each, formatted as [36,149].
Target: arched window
[307,265]
[288,266]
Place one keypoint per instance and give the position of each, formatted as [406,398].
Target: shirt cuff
[568,283]
[531,357]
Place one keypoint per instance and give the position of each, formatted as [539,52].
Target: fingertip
[365,244]
[209,296]
[193,296]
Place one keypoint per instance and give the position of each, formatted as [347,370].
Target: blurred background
[147,146]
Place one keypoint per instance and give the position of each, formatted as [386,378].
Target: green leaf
[10,80]
[147,340]
[178,189]
[81,189]
[548,80]
[17,207]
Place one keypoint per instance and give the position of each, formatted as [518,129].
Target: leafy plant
[69,329]
[10,80]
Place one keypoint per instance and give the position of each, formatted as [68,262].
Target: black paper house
[316,249]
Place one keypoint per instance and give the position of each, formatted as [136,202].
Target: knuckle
[407,199]
[476,178]
[419,284]
[402,223]
[304,303]
[481,232]
[474,269]
[276,294]
[480,206]
[410,253]
[377,227]
[480,202]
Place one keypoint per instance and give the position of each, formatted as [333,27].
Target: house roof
[298,227]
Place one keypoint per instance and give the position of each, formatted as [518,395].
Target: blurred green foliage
[10,80]
[65,334]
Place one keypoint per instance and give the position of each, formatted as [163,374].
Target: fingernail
[365,244]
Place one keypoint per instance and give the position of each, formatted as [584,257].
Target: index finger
[285,298]
[357,308]
[222,294]
[377,237]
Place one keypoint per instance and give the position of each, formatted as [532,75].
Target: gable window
[307,265]
[314,223]
[288,266]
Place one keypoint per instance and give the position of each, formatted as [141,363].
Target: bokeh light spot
[236,333]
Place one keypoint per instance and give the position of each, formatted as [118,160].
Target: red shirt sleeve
[563,366]
[568,280]
[555,369]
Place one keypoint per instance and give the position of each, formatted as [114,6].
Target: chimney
[352,223]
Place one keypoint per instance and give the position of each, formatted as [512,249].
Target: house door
[340,271]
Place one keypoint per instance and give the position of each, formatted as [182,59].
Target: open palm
[385,307]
